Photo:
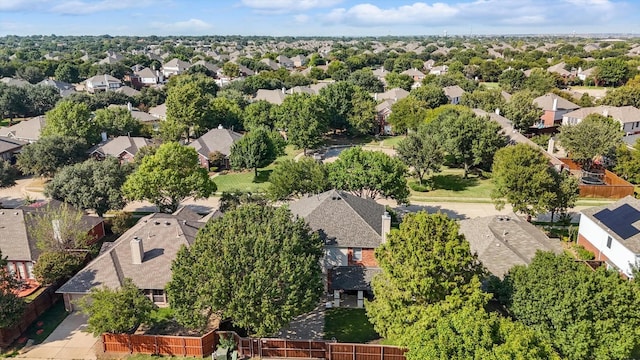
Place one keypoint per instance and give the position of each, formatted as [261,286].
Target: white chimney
[605,113]
[57,235]
[555,104]
[220,127]
[129,107]
[497,111]
[284,90]
[104,136]
[551,146]
[386,226]
[137,251]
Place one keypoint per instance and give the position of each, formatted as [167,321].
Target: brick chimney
[386,226]
[137,251]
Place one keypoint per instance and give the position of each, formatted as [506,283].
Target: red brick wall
[548,117]
[589,246]
[368,258]
[97,232]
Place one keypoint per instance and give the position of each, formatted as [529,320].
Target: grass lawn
[490,85]
[450,184]
[348,325]
[34,295]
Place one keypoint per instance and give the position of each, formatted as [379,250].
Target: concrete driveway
[68,341]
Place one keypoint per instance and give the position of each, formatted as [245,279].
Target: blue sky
[317,17]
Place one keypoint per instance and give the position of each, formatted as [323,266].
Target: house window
[30,270]
[609,241]
[21,270]
[158,296]
[357,254]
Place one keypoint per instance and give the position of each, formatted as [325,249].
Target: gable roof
[215,140]
[394,94]
[275,97]
[147,73]
[8,144]
[162,236]
[504,241]
[620,219]
[622,114]
[103,79]
[116,146]
[128,90]
[28,130]
[343,219]
[454,91]
[14,241]
[545,102]
[177,63]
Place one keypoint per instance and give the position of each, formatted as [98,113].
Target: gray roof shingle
[343,219]
[353,277]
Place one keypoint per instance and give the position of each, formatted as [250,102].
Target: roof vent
[167,223]
[157,222]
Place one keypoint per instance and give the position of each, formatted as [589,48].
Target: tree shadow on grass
[452,182]
[263,176]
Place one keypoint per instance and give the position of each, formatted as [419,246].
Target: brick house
[143,253]
[554,107]
[612,233]
[351,228]
[124,148]
[17,242]
[215,140]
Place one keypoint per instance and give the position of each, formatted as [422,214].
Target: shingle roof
[620,219]
[545,102]
[353,277]
[13,235]
[501,244]
[118,145]
[275,97]
[162,236]
[394,94]
[216,140]
[8,144]
[343,219]
[28,130]
[622,114]
[453,91]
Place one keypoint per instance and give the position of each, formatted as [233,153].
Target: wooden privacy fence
[161,345]
[614,187]
[247,347]
[33,309]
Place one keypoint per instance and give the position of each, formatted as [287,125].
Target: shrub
[121,222]
[415,186]
[583,254]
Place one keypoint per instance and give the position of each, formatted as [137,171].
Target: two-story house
[175,67]
[102,83]
[554,107]
[612,233]
[351,228]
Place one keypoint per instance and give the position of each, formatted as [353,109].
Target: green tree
[522,111]
[278,278]
[486,99]
[8,174]
[365,79]
[168,177]
[117,122]
[622,96]
[523,178]
[67,72]
[421,152]
[188,102]
[432,95]
[423,263]
[54,266]
[595,135]
[116,311]
[612,72]
[407,114]
[583,312]
[304,119]
[225,112]
[512,80]
[296,178]
[254,150]
[395,80]
[47,155]
[12,306]
[369,174]
[71,119]
[59,228]
[628,163]
[257,114]
[467,139]
[230,69]
[566,189]
[490,70]
[348,107]
[92,184]
[540,81]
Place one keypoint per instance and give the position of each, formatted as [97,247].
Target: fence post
[328,349]
[310,352]
[130,344]
[156,348]
[104,346]
[382,353]
[354,352]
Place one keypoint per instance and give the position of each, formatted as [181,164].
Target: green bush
[415,186]
[583,254]
[121,222]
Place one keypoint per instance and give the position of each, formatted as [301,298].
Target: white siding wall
[619,255]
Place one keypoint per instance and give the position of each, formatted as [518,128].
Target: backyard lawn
[349,326]
[40,328]
[450,184]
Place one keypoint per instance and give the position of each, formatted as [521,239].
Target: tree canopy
[369,174]
[73,119]
[255,150]
[522,111]
[47,155]
[296,178]
[168,177]
[304,118]
[12,306]
[595,135]
[92,184]
[583,312]
[117,122]
[278,277]
[8,174]
[421,152]
[116,311]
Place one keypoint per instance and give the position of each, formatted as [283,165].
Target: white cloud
[288,5]
[301,18]
[417,13]
[17,5]
[80,7]
[191,26]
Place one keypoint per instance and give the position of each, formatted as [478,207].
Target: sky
[317,17]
